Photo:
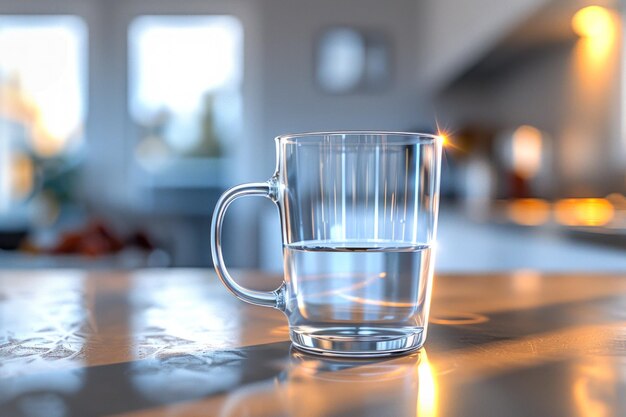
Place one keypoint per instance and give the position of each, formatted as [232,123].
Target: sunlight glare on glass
[445,140]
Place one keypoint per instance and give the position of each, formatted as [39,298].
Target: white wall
[291,100]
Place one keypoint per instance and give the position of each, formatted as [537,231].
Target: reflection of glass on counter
[319,386]
[595,385]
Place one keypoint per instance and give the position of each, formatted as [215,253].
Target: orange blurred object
[94,240]
[527,151]
[584,211]
[23,176]
[529,211]
[97,239]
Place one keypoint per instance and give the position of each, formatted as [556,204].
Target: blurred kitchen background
[122,121]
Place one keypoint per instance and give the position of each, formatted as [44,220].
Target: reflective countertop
[175,343]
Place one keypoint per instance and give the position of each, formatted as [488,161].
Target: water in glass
[339,292]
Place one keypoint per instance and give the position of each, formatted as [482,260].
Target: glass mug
[358,214]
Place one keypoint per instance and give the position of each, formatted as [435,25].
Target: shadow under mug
[358,217]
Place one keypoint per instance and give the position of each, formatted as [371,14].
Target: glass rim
[410,137]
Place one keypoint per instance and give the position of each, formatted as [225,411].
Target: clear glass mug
[358,215]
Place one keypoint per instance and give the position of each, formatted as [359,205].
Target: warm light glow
[529,211]
[527,146]
[427,390]
[445,140]
[617,200]
[41,79]
[526,281]
[458,319]
[584,211]
[594,383]
[23,176]
[17,105]
[595,66]
[597,27]
[376,302]
[355,280]
[592,21]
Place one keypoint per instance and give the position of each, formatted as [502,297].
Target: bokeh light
[584,211]
[592,21]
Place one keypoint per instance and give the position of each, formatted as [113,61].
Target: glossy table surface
[175,343]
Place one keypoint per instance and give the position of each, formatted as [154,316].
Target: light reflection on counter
[44,326]
[427,393]
[498,345]
[595,385]
[177,318]
[173,325]
[312,386]
[526,281]
[43,321]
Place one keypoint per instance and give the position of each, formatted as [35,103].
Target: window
[185,75]
[42,101]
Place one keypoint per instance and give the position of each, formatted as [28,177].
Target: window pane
[42,98]
[185,77]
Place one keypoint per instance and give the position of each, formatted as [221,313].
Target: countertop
[176,343]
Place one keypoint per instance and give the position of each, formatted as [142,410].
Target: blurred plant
[209,143]
[59,178]
[39,160]
[165,129]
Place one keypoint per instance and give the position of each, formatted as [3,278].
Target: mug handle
[274,298]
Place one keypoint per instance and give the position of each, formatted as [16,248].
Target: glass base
[358,341]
